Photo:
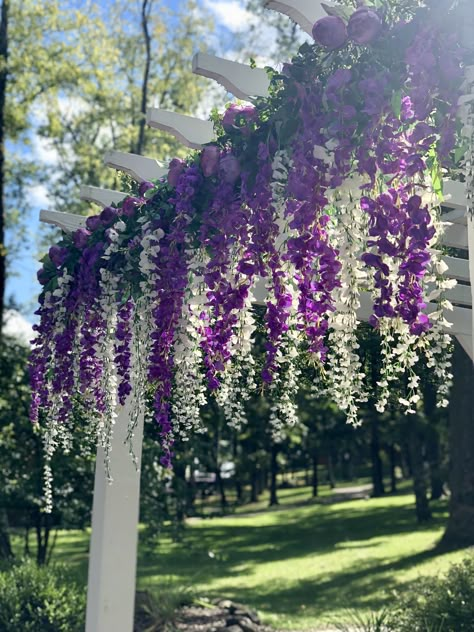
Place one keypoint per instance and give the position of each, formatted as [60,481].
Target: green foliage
[441,604]
[157,611]
[356,622]
[36,599]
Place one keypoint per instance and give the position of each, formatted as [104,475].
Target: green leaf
[397,103]
[338,12]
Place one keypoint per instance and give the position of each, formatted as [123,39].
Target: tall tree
[146,61]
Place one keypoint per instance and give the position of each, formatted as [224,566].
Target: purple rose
[129,206]
[364,26]
[234,113]
[144,187]
[176,167]
[108,215]
[93,222]
[80,237]
[229,169]
[210,157]
[330,32]
[58,255]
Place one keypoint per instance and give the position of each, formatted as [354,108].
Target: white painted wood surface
[114,536]
[470,232]
[191,131]
[68,222]
[304,12]
[102,197]
[139,168]
[240,80]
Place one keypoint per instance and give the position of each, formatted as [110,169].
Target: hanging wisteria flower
[318,202]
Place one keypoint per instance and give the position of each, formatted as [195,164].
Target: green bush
[442,604]
[41,599]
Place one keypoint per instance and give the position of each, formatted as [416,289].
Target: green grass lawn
[300,565]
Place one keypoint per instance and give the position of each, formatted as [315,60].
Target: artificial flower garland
[324,190]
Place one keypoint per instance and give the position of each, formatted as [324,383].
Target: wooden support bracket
[102,197]
[139,168]
[304,12]
[240,80]
[192,132]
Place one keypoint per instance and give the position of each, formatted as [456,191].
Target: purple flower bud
[93,223]
[58,255]
[80,237]
[42,276]
[144,187]
[129,206]
[236,113]
[210,157]
[108,215]
[364,26]
[330,32]
[229,169]
[176,166]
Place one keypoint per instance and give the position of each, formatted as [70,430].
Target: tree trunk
[273,476]
[460,529]
[434,459]
[254,485]
[315,481]
[5,545]
[331,481]
[377,470]
[3,253]
[392,455]
[420,486]
[146,6]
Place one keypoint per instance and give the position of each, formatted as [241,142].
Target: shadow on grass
[229,549]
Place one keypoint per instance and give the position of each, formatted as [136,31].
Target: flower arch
[329,191]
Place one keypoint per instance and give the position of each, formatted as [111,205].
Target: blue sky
[231,19]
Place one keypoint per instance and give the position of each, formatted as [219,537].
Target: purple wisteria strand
[326,194]
[171,272]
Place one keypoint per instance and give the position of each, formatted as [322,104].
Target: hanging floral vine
[327,193]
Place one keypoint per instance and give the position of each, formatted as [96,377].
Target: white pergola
[113,549]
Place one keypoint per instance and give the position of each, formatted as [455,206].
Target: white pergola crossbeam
[102,197]
[190,131]
[240,80]
[68,222]
[304,12]
[455,236]
[139,168]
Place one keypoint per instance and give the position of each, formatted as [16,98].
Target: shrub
[442,604]
[40,599]
[158,611]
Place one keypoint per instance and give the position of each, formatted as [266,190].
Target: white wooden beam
[102,197]
[139,168]
[114,536]
[455,236]
[304,12]
[68,222]
[457,268]
[455,193]
[240,80]
[192,132]
[470,234]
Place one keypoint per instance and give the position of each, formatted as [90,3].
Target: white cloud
[38,196]
[231,14]
[44,152]
[17,326]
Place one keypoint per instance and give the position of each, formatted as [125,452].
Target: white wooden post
[114,538]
